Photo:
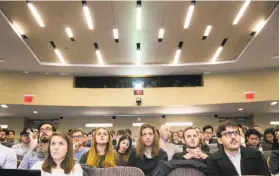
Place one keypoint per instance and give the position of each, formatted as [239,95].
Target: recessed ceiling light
[87,15]
[179,123]
[18,28]
[259,26]
[219,50]
[274,103]
[57,52]
[138,54]
[240,109]
[47,73]
[178,52]
[4,126]
[35,14]
[138,14]
[99,125]
[189,15]
[160,34]
[241,12]
[4,106]
[206,32]
[116,35]
[35,112]
[98,54]
[69,33]
[26,72]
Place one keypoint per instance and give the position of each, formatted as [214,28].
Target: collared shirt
[8,158]
[236,161]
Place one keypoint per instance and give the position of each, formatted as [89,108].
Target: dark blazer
[274,162]
[213,141]
[252,163]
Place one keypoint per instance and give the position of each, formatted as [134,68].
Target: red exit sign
[138,92]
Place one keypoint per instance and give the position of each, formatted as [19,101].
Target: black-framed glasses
[77,137]
[46,129]
[230,133]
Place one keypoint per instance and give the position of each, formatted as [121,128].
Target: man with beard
[232,158]
[77,136]
[39,153]
[169,148]
[193,150]
[3,136]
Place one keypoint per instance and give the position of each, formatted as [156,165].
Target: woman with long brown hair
[101,153]
[124,149]
[60,158]
[147,153]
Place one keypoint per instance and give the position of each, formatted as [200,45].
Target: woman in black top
[269,140]
[124,149]
[147,153]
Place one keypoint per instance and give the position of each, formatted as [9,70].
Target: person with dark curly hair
[253,139]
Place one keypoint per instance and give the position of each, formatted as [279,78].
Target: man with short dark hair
[40,152]
[77,136]
[3,135]
[208,133]
[10,139]
[27,142]
[232,158]
[253,136]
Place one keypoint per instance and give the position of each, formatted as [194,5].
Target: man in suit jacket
[232,158]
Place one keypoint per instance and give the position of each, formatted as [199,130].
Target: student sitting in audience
[276,132]
[253,137]
[8,158]
[269,140]
[78,147]
[60,159]
[175,139]
[181,136]
[274,162]
[27,142]
[11,139]
[85,140]
[204,147]
[3,137]
[208,133]
[232,158]
[169,148]
[147,153]
[193,150]
[101,154]
[40,152]
[242,135]
[120,133]
[124,149]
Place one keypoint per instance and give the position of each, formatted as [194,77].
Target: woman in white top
[60,159]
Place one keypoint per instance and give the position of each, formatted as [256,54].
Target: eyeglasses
[46,129]
[230,133]
[77,137]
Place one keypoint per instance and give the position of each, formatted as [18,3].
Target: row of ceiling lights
[188,18]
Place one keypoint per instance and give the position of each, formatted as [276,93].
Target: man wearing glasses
[232,158]
[39,153]
[77,136]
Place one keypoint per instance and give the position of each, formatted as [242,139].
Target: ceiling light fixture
[160,34]
[219,50]
[4,106]
[57,52]
[35,112]
[98,54]
[241,12]
[20,31]
[206,33]
[274,123]
[240,109]
[35,14]
[273,103]
[138,55]
[178,52]
[179,123]
[90,125]
[189,15]
[116,35]
[70,33]
[258,27]
[137,124]
[4,126]
[138,14]
[87,15]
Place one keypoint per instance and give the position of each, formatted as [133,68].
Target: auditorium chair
[186,172]
[112,171]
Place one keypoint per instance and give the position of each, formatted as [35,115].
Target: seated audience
[269,140]
[40,152]
[101,153]
[232,158]
[253,139]
[169,148]
[242,135]
[175,139]
[8,158]
[120,133]
[35,134]
[3,137]
[274,162]
[113,137]
[204,147]
[124,149]
[208,133]
[147,153]
[85,140]
[128,131]
[257,127]
[181,136]
[60,159]
[27,143]
[89,139]
[193,150]
[276,131]
[78,140]
[11,139]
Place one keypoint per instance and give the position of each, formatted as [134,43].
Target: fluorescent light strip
[241,12]
[160,33]
[99,125]
[36,14]
[4,126]
[218,52]
[189,16]
[116,35]
[137,124]
[207,31]
[138,57]
[35,112]
[138,86]
[18,28]
[177,55]
[274,123]
[88,17]
[58,54]
[99,57]
[274,103]
[179,123]
[69,32]
[259,26]
[240,109]
[4,106]
[138,17]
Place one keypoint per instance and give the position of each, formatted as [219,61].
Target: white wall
[14,123]
[263,120]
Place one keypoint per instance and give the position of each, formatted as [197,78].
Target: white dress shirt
[8,158]
[236,161]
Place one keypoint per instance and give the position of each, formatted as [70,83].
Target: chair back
[186,171]
[112,171]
